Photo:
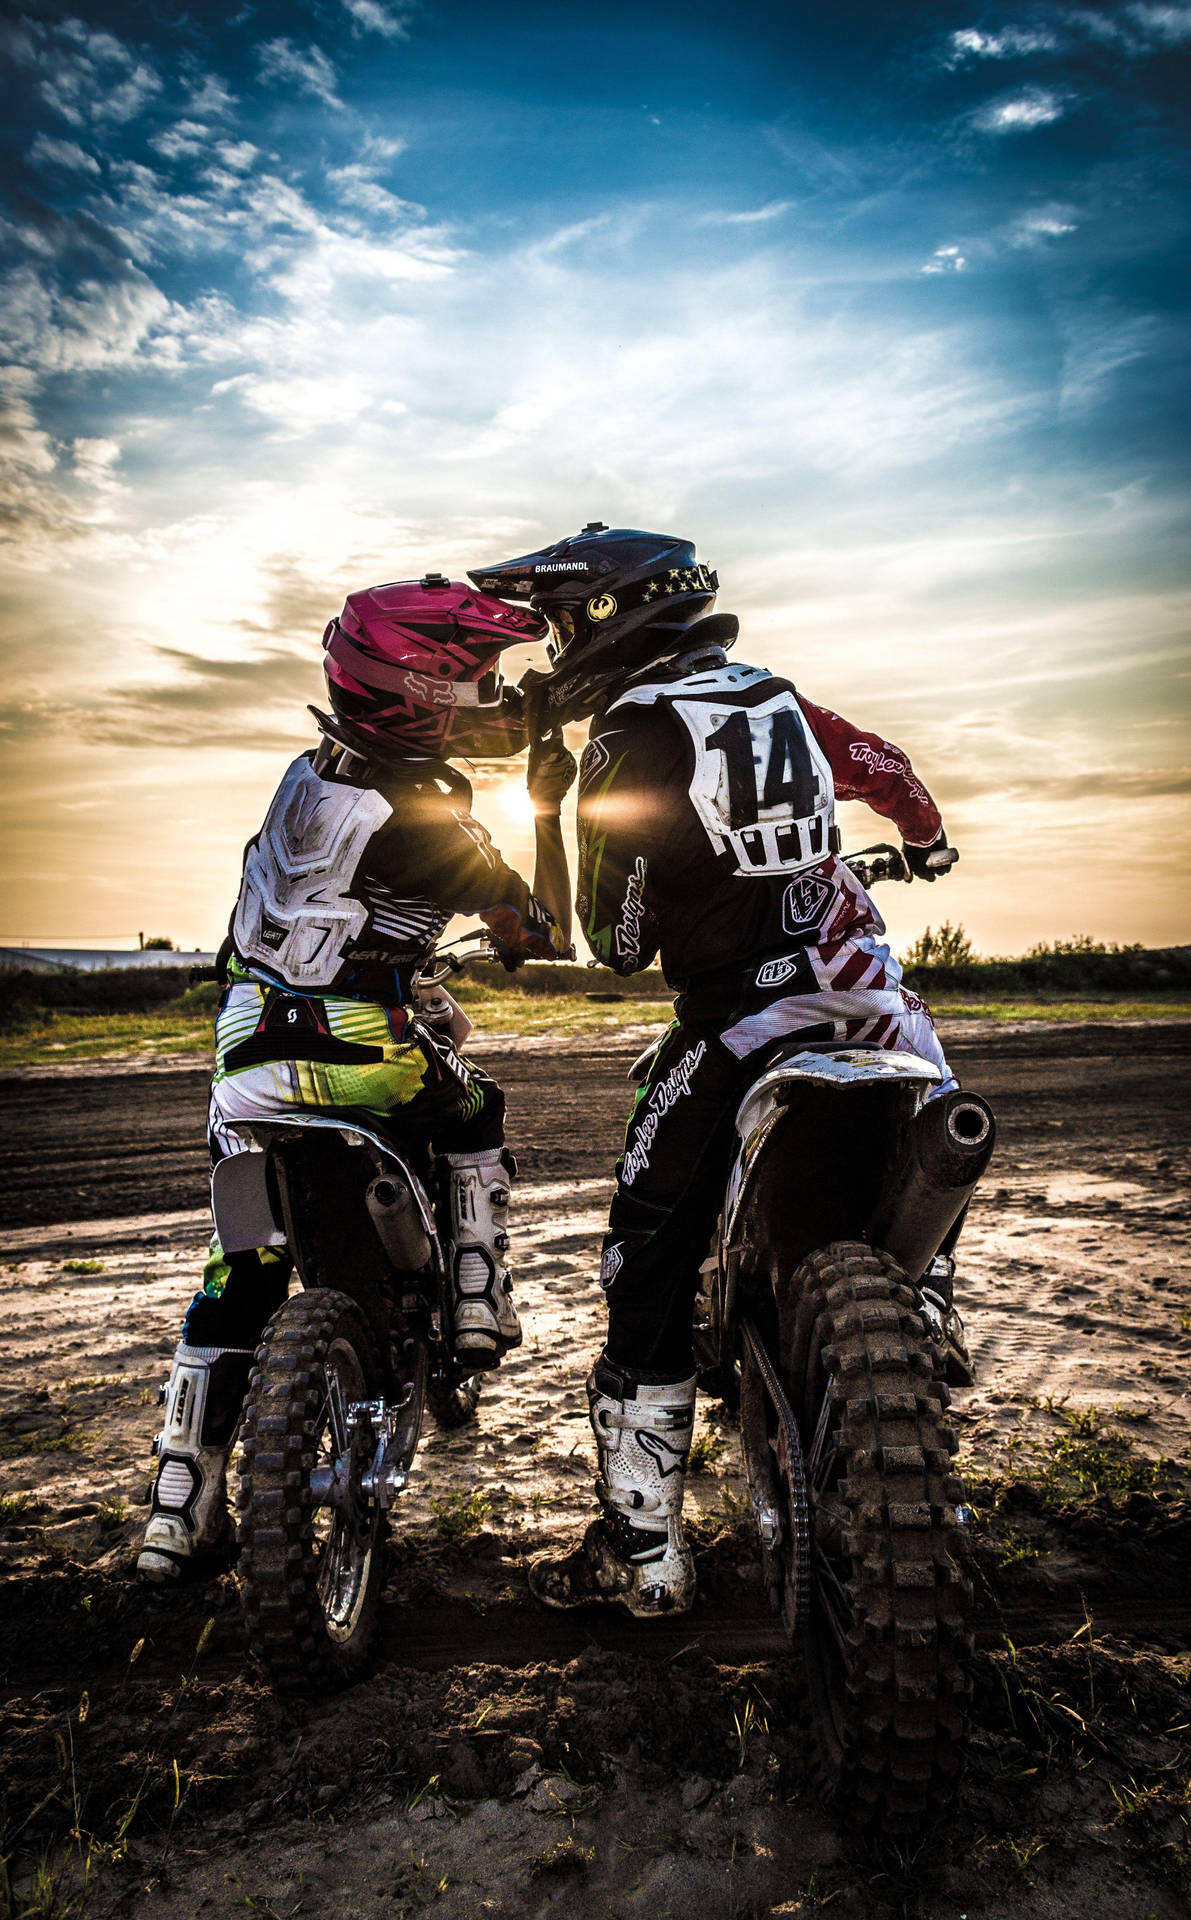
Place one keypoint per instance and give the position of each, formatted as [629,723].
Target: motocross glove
[551,772]
[539,937]
[919,859]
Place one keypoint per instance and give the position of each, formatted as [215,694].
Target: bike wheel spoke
[824,1446]
[837,1607]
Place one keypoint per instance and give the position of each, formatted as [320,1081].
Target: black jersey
[707,825]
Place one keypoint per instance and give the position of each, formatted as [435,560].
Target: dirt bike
[346,1367]
[849,1180]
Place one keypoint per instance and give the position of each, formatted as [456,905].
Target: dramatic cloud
[315,315]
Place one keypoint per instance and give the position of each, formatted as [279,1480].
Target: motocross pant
[678,1145]
[418,1079]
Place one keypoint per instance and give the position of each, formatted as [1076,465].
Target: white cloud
[210,96]
[185,140]
[752,217]
[969,43]
[98,324]
[62,153]
[93,459]
[124,101]
[356,185]
[298,405]
[237,154]
[86,73]
[1170,24]
[1021,112]
[22,443]
[370,16]
[310,71]
[1039,225]
[946,260]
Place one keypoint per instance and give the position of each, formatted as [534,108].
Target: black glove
[917,858]
[551,771]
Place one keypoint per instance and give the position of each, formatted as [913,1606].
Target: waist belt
[262,1047]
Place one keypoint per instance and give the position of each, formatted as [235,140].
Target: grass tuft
[706,1450]
[457,1516]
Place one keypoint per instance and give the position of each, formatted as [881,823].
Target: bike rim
[343,1531]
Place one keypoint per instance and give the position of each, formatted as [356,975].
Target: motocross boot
[189,1520]
[635,1553]
[486,1323]
[943,1323]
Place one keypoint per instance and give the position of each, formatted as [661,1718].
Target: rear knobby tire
[309,1576]
[889,1641]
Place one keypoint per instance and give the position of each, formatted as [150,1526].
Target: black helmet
[616,599]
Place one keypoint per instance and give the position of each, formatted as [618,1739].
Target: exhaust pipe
[395,1217]
[950,1144]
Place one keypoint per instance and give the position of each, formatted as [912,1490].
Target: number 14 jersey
[707,824]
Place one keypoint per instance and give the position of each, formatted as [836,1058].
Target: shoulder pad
[716,680]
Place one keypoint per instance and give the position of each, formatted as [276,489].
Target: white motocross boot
[202,1401]
[636,1552]
[486,1323]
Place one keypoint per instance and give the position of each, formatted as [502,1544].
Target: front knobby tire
[309,1574]
[889,1641]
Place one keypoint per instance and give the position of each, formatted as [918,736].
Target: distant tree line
[940,961]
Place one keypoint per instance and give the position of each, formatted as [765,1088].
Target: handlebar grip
[944,858]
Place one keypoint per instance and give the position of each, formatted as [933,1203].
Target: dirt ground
[501,1761]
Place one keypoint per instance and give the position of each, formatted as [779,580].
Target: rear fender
[828,1074]
[246,1203]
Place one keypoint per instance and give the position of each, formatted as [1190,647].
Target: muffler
[950,1144]
[396,1219]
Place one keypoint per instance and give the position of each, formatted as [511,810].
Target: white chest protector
[294,915]
[762,786]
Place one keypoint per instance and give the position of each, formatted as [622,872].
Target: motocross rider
[706,832]
[367,849]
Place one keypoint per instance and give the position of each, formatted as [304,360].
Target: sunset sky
[885,307]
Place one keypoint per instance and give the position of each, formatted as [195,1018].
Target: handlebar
[453,962]
[884,862]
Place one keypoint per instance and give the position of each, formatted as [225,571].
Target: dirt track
[1075,1284]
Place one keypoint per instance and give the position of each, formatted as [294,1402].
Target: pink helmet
[416,665]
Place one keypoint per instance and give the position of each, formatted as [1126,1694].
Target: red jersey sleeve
[865,767]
